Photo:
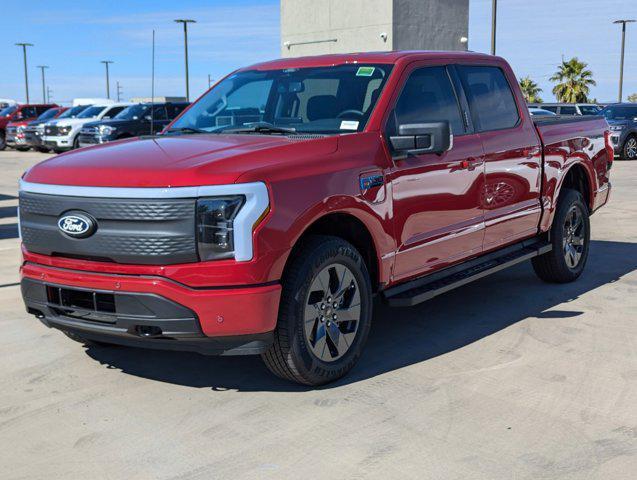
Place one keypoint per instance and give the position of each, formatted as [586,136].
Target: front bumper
[86,140]
[15,140]
[152,312]
[58,142]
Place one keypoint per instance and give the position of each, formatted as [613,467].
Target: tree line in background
[572,81]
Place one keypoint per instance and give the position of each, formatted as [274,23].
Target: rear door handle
[530,152]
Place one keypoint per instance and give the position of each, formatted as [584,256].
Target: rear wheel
[630,148]
[324,315]
[3,143]
[570,238]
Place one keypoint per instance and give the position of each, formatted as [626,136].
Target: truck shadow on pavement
[400,336]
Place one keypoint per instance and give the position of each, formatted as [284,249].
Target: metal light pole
[494,15]
[108,86]
[42,68]
[209,81]
[186,21]
[119,91]
[48,94]
[621,61]
[26,75]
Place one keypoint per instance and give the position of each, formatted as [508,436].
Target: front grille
[83,304]
[136,231]
[51,130]
[89,131]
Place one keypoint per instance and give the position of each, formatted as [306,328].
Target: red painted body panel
[221,312]
[431,211]
[15,116]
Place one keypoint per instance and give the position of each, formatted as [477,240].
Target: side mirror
[418,138]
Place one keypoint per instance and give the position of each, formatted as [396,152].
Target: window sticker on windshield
[349,125]
[365,71]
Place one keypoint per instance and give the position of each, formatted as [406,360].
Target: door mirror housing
[419,138]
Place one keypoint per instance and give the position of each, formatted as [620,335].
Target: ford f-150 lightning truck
[265,218]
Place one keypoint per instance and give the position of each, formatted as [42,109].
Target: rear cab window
[491,99]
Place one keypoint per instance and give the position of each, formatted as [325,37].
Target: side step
[423,288]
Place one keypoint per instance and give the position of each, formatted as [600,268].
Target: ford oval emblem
[77,225]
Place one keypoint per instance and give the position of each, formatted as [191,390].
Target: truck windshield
[321,100]
[92,112]
[50,113]
[620,113]
[74,112]
[134,112]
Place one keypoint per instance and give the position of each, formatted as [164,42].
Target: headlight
[215,226]
[106,129]
[64,130]
[20,129]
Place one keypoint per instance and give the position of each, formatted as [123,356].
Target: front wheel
[324,315]
[3,142]
[630,148]
[570,238]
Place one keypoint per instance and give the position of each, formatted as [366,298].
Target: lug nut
[329,324]
[322,318]
[334,316]
[322,306]
[329,299]
[335,304]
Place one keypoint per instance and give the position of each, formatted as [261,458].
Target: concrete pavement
[507,378]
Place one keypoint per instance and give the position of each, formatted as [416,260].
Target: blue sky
[72,37]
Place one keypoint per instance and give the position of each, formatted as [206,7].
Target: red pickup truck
[20,113]
[267,216]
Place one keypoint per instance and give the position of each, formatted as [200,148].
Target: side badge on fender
[372,187]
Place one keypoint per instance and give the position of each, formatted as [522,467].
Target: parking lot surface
[507,378]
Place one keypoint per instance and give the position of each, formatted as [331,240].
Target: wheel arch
[350,228]
[578,177]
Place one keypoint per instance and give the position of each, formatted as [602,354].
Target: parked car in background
[136,120]
[267,216]
[17,131]
[569,108]
[622,118]
[33,130]
[64,133]
[20,113]
[540,112]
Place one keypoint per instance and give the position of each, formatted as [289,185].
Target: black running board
[423,288]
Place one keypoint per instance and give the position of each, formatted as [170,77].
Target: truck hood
[72,122]
[172,161]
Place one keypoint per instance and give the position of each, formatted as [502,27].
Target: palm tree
[632,97]
[573,81]
[530,90]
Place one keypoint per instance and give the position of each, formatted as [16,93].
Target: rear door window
[428,96]
[568,111]
[492,103]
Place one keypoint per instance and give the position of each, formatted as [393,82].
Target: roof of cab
[363,57]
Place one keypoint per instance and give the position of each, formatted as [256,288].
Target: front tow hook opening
[147,331]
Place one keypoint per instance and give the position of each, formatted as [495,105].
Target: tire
[629,152]
[76,337]
[23,149]
[305,352]
[42,149]
[76,142]
[58,150]
[570,239]
[3,143]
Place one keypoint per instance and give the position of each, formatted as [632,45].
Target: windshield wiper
[260,127]
[186,130]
